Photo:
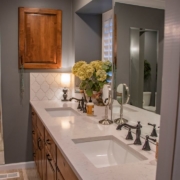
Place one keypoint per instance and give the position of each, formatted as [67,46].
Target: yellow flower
[101,75]
[97,64]
[76,67]
[85,71]
[107,63]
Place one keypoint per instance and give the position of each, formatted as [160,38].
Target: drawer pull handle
[58,170]
[39,143]
[48,142]
[48,157]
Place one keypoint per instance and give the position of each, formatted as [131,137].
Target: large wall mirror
[138,58]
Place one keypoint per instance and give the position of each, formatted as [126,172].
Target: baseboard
[21,165]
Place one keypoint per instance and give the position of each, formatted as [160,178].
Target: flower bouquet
[93,75]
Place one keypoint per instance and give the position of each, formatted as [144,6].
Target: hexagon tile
[47,86]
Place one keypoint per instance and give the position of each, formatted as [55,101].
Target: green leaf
[89,92]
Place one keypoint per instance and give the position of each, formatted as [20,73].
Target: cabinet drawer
[34,117]
[64,167]
[40,127]
[51,146]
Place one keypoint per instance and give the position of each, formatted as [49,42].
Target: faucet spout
[138,126]
[126,125]
[74,98]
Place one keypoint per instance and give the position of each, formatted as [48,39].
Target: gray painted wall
[142,17]
[16,115]
[96,7]
[87,38]
[78,4]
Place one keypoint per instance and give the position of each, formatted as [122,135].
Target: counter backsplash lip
[87,127]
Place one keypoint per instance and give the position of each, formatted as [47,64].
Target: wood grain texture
[64,167]
[50,166]
[40,38]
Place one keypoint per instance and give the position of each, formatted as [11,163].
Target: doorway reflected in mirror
[143,68]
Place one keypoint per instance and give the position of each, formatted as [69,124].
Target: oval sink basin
[61,112]
[108,152]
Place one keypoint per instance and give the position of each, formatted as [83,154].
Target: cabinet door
[50,168]
[39,155]
[40,41]
[34,152]
[59,175]
[64,167]
[33,115]
[51,146]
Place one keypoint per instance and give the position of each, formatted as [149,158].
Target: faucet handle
[84,109]
[154,133]
[146,146]
[79,105]
[139,125]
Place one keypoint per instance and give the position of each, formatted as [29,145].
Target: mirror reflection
[138,58]
[122,94]
[143,68]
[122,97]
[138,46]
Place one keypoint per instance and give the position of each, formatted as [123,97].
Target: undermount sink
[61,112]
[107,152]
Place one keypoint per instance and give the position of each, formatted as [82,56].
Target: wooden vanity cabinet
[34,135]
[59,175]
[64,167]
[50,162]
[38,144]
[50,145]
[50,166]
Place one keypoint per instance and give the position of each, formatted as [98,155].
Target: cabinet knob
[33,113]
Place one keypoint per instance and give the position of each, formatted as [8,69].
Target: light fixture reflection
[65,82]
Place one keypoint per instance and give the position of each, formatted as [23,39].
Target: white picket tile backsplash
[47,86]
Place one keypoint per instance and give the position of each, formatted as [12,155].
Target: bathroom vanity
[69,145]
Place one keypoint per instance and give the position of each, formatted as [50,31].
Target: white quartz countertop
[64,129]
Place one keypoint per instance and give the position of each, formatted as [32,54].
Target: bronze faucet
[81,105]
[138,131]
